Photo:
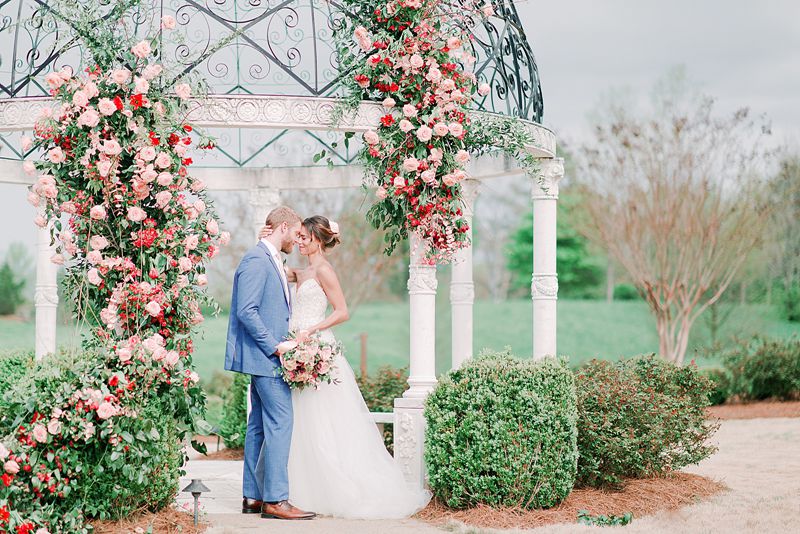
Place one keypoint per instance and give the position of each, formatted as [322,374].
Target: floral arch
[276,93]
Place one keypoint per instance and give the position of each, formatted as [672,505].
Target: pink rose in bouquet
[308,364]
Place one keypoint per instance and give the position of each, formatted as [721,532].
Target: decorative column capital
[544,286]
[422,279]
[551,171]
[263,197]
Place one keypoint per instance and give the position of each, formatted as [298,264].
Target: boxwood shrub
[502,431]
[639,418]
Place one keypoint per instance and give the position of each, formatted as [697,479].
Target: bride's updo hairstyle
[321,228]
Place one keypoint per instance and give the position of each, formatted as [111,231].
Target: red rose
[137,101]
[187,128]
[7,479]
[387,120]
[118,103]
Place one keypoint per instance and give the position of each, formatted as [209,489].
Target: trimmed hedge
[502,431]
[761,369]
[13,366]
[380,389]
[233,425]
[640,418]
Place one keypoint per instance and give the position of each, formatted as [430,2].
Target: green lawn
[586,329]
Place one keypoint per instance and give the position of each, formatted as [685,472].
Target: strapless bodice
[309,306]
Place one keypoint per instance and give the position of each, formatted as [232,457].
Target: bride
[338,464]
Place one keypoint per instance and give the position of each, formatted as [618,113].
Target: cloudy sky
[742,52]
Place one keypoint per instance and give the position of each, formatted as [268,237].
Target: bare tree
[677,197]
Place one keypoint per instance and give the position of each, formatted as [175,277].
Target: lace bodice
[309,306]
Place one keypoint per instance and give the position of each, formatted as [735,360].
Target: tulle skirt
[338,464]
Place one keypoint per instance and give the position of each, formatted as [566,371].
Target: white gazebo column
[544,283]
[409,421]
[46,295]
[263,200]
[462,288]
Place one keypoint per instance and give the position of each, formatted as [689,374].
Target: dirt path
[759,460]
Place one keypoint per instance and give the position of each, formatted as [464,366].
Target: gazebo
[272,92]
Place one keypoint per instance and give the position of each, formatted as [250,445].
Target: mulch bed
[167,521]
[223,454]
[756,410]
[639,497]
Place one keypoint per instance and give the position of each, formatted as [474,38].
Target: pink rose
[58,259]
[434,75]
[448,85]
[111,147]
[410,164]
[153,308]
[136,214]
[56,155]
[399,181]
[11,467]
[104,167]
[148,153]
[120,76]
[183,281]
[151,71]
[484,89]
[198,185]
[440,129]
[163,160]
[202,280]
[462,157]
[172,357]
[389,102]
[29,167]
[98,242]
[54,427]
[416,61]
[406,126]
[487,9]
[91,90]
[456,129]
[94,257]
[183,91]
[106,106]
[106,410]
[34,199]
[191,242]
[212,227]
[449,180]
[40,221]
[424,133]
[428,176]
[163,198]
[68,207]
[184,264]
[168,22]
[164,179]
[124,354]
[409,110]
[40,433]
[25,143]
[141,49]
[454,43]
[148,175]
[371,137]
[89,118]
[224,238]
[3,452]
[381,193]
[54,80]
[93,275]
[80,99]
[140,85]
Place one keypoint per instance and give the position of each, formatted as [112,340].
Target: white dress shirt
[279,263]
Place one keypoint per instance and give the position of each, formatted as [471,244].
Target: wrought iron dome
[285,47]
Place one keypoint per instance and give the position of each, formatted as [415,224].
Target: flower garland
[411,56]
[134,229]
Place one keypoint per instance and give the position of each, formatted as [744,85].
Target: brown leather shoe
[251,506]
[284,510]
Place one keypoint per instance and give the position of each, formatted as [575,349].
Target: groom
[259,321]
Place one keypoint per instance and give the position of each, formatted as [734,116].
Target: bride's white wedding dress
[338,464]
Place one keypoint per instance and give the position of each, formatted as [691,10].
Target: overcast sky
[744,53]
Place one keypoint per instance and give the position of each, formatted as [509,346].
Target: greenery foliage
[379,390]
[13,366]
[586,518]
[760,369]
[502,431]
[639,418]
[233,425]
[790,302]
[11,289]
[626,292]
[720,386]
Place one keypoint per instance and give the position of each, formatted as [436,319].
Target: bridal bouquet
[309,363]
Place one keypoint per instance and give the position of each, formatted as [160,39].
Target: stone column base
[409,439]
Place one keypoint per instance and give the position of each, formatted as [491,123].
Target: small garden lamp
[196,487]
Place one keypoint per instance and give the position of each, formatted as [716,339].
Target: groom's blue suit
[259,320]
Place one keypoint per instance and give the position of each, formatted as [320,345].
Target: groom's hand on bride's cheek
[266,231]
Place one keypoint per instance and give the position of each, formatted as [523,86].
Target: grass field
[586,329]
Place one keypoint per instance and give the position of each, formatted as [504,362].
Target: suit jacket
[259,318]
